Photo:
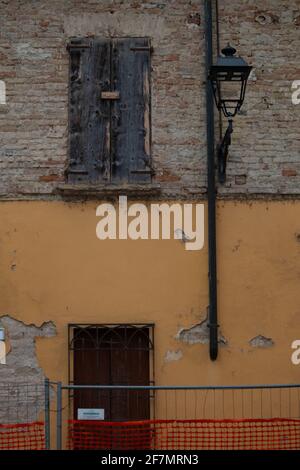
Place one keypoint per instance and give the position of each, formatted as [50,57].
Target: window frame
[137,165]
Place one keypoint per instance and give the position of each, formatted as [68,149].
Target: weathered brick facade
[264,157]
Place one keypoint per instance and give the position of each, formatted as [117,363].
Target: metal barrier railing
[25,411]
[189,402]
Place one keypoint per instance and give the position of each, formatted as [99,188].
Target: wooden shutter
[131,113]
[89,116]
[110,110]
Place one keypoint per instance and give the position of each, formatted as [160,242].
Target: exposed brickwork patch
[289,172]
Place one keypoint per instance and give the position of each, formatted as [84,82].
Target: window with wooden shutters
[109,112]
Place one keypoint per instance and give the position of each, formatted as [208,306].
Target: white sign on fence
[90,413]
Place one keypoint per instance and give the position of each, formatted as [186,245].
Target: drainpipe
[211,191]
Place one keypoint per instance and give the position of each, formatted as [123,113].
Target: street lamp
[229,80]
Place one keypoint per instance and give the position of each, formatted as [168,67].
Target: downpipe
[211,191]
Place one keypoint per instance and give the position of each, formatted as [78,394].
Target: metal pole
[47,414]
[211,192]
[59,416]
[180,387]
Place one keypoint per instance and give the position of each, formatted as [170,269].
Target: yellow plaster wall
[52,267]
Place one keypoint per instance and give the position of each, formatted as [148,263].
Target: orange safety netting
[25,436]
[202,434]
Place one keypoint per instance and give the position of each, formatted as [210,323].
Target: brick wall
[264,157]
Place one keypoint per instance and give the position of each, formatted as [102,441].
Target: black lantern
[229,68]
[229,80]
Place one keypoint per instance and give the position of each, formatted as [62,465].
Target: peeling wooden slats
[98,115]
[131,114]
[88,118]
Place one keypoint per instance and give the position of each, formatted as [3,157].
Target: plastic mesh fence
[227,434]
[25,436]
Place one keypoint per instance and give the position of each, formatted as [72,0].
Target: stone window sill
[83,190]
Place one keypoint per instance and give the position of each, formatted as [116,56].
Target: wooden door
[117,356]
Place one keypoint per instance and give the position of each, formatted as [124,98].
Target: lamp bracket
[222,152]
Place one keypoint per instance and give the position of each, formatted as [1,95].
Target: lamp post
[229,80]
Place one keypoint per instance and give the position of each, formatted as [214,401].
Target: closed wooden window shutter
[109,114]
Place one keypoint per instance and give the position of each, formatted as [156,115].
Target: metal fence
[24,415]
[21,402]
[167,417]
[260,403]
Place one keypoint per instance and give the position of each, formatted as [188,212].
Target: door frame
[75,329]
